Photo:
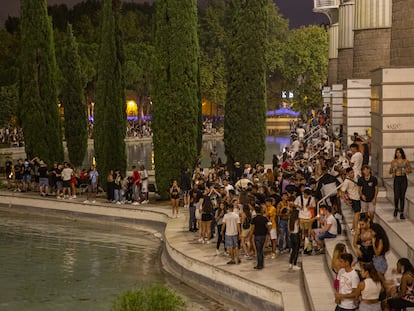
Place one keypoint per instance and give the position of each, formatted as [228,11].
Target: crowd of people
[11,136]
[295,205]
[65,182]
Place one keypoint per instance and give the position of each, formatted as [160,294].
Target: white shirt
[295,146]
[357,159]
[304,212]
[301,132]
[352,188]
[347,282]
[231,219]
[331,220]
[67,173]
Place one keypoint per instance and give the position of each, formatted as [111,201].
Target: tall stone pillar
[356,108]
[372,36]
[402,35]
[336,106]
[333,54]
[345,40]
[392,113]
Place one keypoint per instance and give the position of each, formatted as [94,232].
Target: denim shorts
[231,240]
[326,235]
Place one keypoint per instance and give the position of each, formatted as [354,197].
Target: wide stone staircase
[317,275]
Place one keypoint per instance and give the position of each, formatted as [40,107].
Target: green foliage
[38,111]
[9,99]
[213,23]
[176,103]
[245,110]
[306,65]
[153,297]
[75,125]
[110,115]
[9,48]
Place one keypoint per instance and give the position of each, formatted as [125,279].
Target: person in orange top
[271,216]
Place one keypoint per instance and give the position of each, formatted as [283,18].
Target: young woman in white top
[369,289]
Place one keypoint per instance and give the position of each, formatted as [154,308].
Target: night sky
[299,12]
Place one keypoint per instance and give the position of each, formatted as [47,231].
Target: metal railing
[327,196]
[312,134]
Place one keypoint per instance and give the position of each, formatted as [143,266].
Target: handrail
[327,196]
[312,133]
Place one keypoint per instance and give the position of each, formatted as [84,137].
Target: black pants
[110,190]
[295,245]
[259,241]
[400,187]
[219,237]
[192,223]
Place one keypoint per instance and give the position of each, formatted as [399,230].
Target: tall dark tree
[75,125]
[176,104]
[245,110]
[38,109]
[110,106]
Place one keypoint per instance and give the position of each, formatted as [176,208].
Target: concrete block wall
[356,108]
[345,64]
[392,116]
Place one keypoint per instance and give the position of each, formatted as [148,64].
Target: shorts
[367,206]
[305,224]
[206,217]
[356,206]
[370,306]
[245,233]
[44,182]
[18,177]
[380,264]
[59,184]
[273,234]
[27,179]
[326,235]
[66,183]
[231,240]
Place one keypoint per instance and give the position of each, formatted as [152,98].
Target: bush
[153,297]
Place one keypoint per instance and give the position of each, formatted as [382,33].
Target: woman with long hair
[400,167]
[294,231]
[369,289]
[246,218]
[175,198]
[381,245]
[405,292]
[222,209]
[206,218]
[363,239]
[340,248]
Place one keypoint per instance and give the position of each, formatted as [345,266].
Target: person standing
[185,184]
[231,231]
[136,185]
[67,179]
[368,191]
[92,184]
[259,227]
[345,297]
[400,167]
[175,198]
[369,289]
[294,231]
[144,184]
[356,160]
[43,179]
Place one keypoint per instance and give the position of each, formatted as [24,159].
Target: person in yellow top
[271,216]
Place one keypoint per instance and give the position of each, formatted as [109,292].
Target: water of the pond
[59,264]
[140,151]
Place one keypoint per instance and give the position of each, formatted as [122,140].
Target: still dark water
[49,263]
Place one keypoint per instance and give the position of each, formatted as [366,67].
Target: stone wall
[371,51]
[333,71]
[402,37]
[392,116]
[345,64]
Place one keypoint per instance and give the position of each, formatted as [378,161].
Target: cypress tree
[76,123]
[110,106]
[38,110]
[245,110]
[176,105]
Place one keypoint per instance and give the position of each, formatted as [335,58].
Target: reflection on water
[66,264]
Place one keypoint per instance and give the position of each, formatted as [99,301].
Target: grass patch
[153,297]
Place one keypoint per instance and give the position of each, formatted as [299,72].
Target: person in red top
[136,182]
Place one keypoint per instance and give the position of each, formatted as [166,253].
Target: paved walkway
[276,287]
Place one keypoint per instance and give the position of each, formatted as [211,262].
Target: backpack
[338,226]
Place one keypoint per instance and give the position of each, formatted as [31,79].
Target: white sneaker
[296,268]
[217,252]
[93,201]
[145,202]
[86,201]
[208,241]
[135,203]
[200,240]
[73,196]
[118,202]
[290,266]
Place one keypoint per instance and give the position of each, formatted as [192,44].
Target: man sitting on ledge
[329,227]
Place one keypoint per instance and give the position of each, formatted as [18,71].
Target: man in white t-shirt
[301,133]
[144,184]
[231,231]
[329,228]
[356,160]
[345,297]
